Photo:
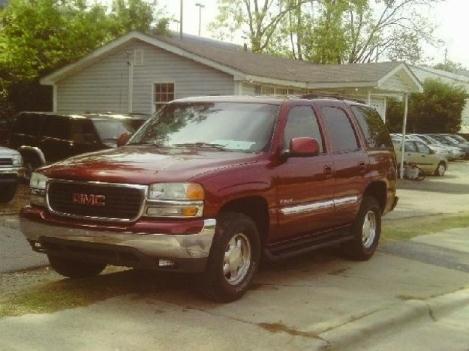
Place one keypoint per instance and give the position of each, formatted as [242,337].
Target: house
[140,73]
[424,73]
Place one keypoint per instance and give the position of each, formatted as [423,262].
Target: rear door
[349,158]
[427,160]
[304,184]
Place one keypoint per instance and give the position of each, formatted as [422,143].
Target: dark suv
[44,137]
[212,184]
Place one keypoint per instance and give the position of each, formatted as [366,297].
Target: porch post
[369,97]
[404,127]
[385,108]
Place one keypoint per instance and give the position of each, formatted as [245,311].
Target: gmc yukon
[211,185]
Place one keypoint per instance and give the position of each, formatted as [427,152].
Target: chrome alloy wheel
[237,259]
[369,229]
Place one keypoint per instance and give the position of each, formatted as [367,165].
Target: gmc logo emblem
[89,199]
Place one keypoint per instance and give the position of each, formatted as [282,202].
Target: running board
[307,243]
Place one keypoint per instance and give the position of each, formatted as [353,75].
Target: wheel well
[254,207]
[378,191]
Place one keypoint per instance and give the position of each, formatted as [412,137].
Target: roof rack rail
[330,96]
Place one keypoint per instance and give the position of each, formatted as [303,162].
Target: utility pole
[181,16]
[200,6]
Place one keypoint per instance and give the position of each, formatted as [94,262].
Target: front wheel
[366,231]
[75,269]
[234,258]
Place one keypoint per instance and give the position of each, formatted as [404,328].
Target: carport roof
[248,66]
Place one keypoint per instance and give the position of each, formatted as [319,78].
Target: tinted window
[374,130]
[57,127]
[83,132]
[245,127]
[302,122]
[339,129]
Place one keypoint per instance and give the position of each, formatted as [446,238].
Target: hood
[6,152]
[145,164]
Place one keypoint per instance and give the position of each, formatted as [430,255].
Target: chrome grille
[123,202]
[6,162]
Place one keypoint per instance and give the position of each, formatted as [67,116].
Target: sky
[450,16]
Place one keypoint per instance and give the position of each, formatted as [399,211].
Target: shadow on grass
[434,187]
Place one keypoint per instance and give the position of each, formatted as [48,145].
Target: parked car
[43,137]
[11,166]
[452,152]
[439,148]
[444,139]
[213,184]
[459,142]
[419,153]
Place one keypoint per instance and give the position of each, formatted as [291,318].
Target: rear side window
[340,130]
[410,147]
[302,122]
[373,128]
[57,127]
[83,132]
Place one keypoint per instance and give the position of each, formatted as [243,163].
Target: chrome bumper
[11,170]
[184,246]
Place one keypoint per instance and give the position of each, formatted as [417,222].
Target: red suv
[212,184]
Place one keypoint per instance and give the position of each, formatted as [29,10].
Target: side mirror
[304,147]
[123,139]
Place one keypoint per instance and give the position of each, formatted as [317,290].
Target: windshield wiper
[201,145]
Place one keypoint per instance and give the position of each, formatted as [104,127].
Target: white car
[11,166]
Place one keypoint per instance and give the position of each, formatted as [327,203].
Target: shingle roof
[268,66]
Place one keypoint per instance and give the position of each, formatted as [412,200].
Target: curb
[352,334]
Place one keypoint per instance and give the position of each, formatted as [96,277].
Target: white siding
[103,86]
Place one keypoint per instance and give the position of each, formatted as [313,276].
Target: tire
[238,234]
[7,193]
[75,269]
[363,246]
[440,169]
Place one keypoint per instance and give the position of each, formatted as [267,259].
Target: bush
[437,110]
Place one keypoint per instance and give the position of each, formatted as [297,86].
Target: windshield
[245,127]
[109,130]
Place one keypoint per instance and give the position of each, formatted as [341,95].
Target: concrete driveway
[314,302]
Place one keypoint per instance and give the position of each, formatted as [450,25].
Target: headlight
[37,186]
[176,191]
[177,200]
[17,160]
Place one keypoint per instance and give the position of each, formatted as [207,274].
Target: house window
[163,93]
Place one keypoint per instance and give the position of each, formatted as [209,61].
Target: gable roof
[249,66]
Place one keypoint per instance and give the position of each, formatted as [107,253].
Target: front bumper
[184,252]
[10,174]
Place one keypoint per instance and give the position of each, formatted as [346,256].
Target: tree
[450,66]
[437,110]
[256,20]
[330,31]
[39,36]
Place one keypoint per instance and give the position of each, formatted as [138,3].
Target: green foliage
[450,66]
[437,110]
[39,36]
[329,31]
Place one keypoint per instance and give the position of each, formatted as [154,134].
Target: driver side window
[302,122]
[424,149]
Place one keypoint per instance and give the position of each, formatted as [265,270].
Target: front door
[304,183]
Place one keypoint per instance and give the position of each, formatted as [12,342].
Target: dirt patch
[21,199]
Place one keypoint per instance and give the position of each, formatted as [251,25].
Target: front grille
[6,162]
[122,202]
